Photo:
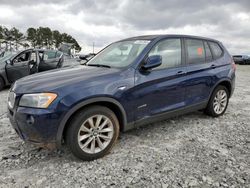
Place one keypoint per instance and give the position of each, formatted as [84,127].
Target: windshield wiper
[98,65]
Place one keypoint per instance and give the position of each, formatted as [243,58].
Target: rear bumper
[232,85]
[38,126]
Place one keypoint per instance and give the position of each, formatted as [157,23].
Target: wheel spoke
[100,144]
[91,123]
[106,130]
[92,147]
[103,124]
[98,121]
[83,137]
[87,142]
[85,129]
[104,137]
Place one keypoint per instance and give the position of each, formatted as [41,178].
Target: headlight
[11,99]
[37,100]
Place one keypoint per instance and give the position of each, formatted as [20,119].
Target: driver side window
[23,57]
[170,51]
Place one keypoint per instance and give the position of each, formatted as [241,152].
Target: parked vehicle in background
[242,59]
[15,65]
[131,82]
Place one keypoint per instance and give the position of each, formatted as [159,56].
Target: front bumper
[38,126]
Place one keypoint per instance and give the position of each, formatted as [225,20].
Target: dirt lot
[189,151]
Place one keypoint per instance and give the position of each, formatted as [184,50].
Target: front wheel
[218,102]
[92,133]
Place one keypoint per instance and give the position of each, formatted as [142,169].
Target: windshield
[119,54]
[7,55]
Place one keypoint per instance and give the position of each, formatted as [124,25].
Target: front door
[161,89]
[19,67]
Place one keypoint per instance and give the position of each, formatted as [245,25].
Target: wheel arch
[108,102]
[225,82]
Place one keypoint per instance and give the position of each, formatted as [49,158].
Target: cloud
[105,21]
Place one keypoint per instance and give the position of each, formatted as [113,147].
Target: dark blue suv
[130,82]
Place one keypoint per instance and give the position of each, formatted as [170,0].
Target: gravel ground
[193,150]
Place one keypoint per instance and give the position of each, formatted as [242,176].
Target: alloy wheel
[95,134]
[220,101]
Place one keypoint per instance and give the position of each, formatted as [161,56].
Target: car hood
[69,77]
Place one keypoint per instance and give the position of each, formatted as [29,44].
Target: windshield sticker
[141,42]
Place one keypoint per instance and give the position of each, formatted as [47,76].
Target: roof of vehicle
[152,37]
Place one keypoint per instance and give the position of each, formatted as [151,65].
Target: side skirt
[165,115]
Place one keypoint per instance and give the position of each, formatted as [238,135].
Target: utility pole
[93,47]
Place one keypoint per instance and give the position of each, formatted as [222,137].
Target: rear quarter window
[216,49]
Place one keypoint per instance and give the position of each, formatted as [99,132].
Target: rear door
[50,60]
[200,71]
[161,89]
[19,67]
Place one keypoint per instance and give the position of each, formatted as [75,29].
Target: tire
[80,127]
[1,84]
[221,103]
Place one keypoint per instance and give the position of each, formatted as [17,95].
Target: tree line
[41,37]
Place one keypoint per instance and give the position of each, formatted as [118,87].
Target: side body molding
[82,104]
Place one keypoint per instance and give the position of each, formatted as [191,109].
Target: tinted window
[23,57]
[217,51]
[170,51]
[209,56]
[49,55]
[195,50]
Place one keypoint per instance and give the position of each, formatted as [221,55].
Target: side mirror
[83,57]
[87,57]
[14,61]
[152,62]
[9,62]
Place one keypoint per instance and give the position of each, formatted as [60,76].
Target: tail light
[233,65]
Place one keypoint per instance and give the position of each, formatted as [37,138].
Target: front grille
[11,99]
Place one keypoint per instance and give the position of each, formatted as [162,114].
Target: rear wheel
[92,133]
[1,84]
[218,102]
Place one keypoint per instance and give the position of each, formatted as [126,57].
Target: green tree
[16,36]
[44,37]
[57,38]
[32,36]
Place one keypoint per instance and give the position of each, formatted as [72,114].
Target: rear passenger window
[195,50]
[216,49]
[170,51]
[209,56]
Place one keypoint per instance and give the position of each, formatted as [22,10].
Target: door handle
[180,72]
[213,66]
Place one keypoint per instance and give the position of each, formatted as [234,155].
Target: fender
[82,104]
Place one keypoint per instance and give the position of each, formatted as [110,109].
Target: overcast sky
[105,21]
